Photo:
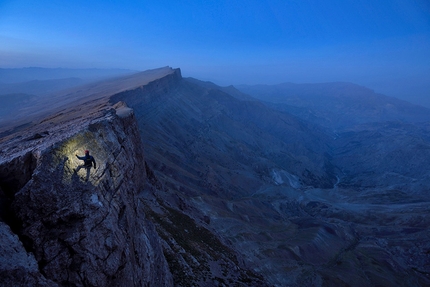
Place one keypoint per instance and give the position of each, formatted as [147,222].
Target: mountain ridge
[68,228]
[228,191]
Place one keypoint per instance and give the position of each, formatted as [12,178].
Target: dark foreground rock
[83,230]
[18,268]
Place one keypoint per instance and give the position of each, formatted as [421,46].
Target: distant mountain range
[336,105]
[20,75]
[40,87]
[45,81]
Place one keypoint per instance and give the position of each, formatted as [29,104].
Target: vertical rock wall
[82,229]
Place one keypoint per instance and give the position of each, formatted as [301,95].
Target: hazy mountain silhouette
[11,103]
[40,87]
[20,75]
[337,105]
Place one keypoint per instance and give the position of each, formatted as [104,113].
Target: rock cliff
[105,226]
[79,229]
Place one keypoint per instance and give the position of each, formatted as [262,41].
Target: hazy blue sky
[381,44]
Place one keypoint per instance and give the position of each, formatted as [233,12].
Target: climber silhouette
[88,163]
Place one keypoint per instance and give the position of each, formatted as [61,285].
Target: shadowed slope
[250,170]
[205,138]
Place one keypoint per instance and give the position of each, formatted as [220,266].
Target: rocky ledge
[62,227]
[77,228]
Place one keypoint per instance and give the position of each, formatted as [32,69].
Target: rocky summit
[201,185]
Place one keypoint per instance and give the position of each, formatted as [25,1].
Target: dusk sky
[384,45]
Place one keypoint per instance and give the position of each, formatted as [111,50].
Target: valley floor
[334,237]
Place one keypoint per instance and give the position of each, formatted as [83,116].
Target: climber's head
[87,152]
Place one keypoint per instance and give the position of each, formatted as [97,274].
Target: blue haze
[384,45]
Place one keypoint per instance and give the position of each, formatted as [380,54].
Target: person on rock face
[88,163]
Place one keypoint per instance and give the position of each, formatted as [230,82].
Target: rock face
[104,226]
[196,254]
[18,268]
[79,229]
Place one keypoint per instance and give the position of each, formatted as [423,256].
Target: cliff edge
[61,227]
[114,225]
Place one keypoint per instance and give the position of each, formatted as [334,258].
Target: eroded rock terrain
[62,227]
[198,185]
[76,230]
